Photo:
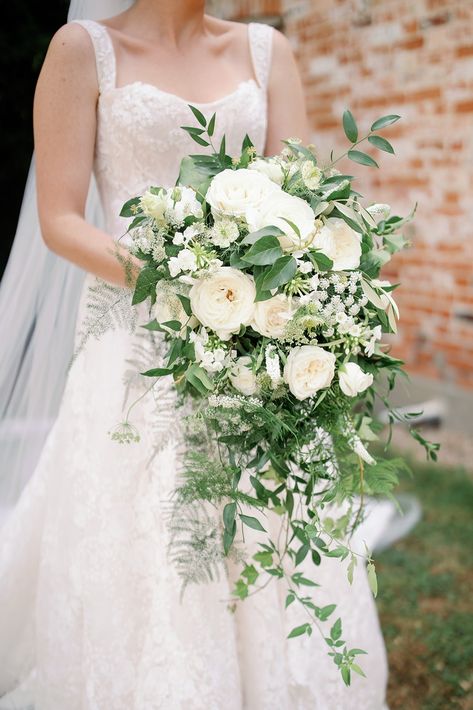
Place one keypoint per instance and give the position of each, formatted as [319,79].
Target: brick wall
[414,58]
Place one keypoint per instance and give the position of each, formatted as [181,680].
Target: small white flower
[224,232]
[305,267]
[353,380]
[178,239]
[356,330]
[185,261]
[311,175]
[376,334]
[354,310]
[314,282]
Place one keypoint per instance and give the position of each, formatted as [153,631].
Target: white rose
[269,167]
[340,243]
[379,211]
[224,300]
[308,369]
[168,305]
[233,192]
[242,376]
[270,317]
[275,209]
[154,205]
[353,380]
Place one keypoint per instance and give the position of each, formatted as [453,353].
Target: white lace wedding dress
[89,602]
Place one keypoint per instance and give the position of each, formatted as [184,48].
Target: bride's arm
[287,114]
[64,127]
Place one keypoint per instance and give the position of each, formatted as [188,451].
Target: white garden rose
[154,205]
[275,209]
[308,369]
[353,380]
[340,243]
[270,317]
[168,306]
[233,192]
[269,167]
[224,300]
[242,376]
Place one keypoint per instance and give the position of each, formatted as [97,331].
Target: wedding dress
[89,601]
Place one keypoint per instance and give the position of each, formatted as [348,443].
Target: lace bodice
[139,139]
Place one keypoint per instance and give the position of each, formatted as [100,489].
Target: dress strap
[104,53]
[261,43]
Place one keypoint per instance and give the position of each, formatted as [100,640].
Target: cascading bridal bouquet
[263,276]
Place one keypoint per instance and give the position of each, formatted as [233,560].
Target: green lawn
[426,596]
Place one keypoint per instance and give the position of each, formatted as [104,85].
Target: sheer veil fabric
[39,297]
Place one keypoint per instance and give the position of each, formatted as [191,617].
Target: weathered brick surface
[415,58]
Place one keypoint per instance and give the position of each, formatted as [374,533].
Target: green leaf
[241,589]
[199,379]
[199,115]
[349,126]
[293,226]
[346,675]
[265,251]
[172,325]
[282,271]
[326,611]
[362,158]
[200,140]
[127,209]
[211,126]
[355,667]
[221,152]
[270,231]
[381,143]
[372,578]
[193,130]
[251,573]
[251,522]
[157,372]
[297,578]
[186,304]
[289,599]
[265,558]
[300,630]
[302,554]
[321,260]
[336,630]
[229,513]
[384,121]
[145,284]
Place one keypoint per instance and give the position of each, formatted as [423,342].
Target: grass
[426,596]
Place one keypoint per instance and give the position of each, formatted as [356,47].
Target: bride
[90,612]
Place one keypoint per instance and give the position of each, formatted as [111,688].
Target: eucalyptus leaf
[384,121]
[362,158]
[199,115]
[349,126]
[381,143]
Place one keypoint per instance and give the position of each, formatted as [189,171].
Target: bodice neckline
[181,99]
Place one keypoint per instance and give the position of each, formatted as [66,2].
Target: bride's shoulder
[70,59]
[71,43]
